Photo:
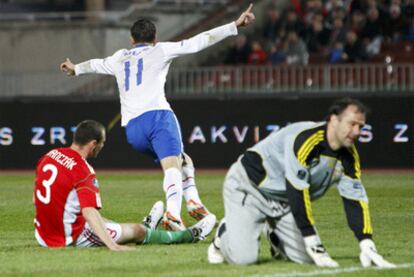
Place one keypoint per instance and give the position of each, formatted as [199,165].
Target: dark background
[259,113]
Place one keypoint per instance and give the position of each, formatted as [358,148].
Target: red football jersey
[65,183]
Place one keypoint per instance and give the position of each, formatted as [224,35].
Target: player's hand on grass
[68,67]
[246,18]
[318,253]
[369,255]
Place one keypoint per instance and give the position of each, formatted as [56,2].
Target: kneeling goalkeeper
[273,183]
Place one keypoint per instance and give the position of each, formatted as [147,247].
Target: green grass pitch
[127,197]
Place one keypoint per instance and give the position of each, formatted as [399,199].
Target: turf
[127,197]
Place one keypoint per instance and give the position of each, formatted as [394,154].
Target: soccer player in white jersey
[67,200]
[150,124]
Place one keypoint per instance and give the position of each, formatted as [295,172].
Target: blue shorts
[155,133]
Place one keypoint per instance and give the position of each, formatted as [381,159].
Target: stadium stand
[332,31]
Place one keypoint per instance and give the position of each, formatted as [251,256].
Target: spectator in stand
[357,22]
[274,25]
[354,50]
[313,8]
[358,28]
[337,54]
[332,5]
[396,25]
[338,32]
[277,55]
[293,23]
[371,34]
[239,52]
[257,56]
[334,9]
[317,36]
[340,13]
[373,25]
[296,52]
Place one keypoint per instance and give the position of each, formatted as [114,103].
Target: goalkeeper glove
[317,252]
[369,255]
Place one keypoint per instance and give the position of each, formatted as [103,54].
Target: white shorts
[89,239]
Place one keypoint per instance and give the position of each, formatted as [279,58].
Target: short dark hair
[143,30]
[340,105]
[87,131]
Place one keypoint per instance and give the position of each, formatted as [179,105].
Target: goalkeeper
[272,185]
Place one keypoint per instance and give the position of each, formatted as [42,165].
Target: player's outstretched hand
[369,255]
[246,18]
[317,252]
[68,67]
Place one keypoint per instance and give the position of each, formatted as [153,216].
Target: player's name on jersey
[64,160]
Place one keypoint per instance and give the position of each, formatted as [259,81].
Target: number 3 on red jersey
[45,199]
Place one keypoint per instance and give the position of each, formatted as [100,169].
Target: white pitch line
[333,271]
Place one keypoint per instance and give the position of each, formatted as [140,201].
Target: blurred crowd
[341,31]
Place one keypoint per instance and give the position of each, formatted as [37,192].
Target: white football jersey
[141,72]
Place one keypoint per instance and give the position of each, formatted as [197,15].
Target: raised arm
[207,38]
[97,66]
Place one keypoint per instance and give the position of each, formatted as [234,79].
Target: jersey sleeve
[297,190]
[354,196]
[296,173]
[300,204]
[359,220]
[88,193]
[198,42]
[350,185]
[99,66]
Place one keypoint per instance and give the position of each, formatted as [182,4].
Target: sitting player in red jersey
[67,200]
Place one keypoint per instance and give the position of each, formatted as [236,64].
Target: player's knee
[241,257]
[170,162]
[187,161]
